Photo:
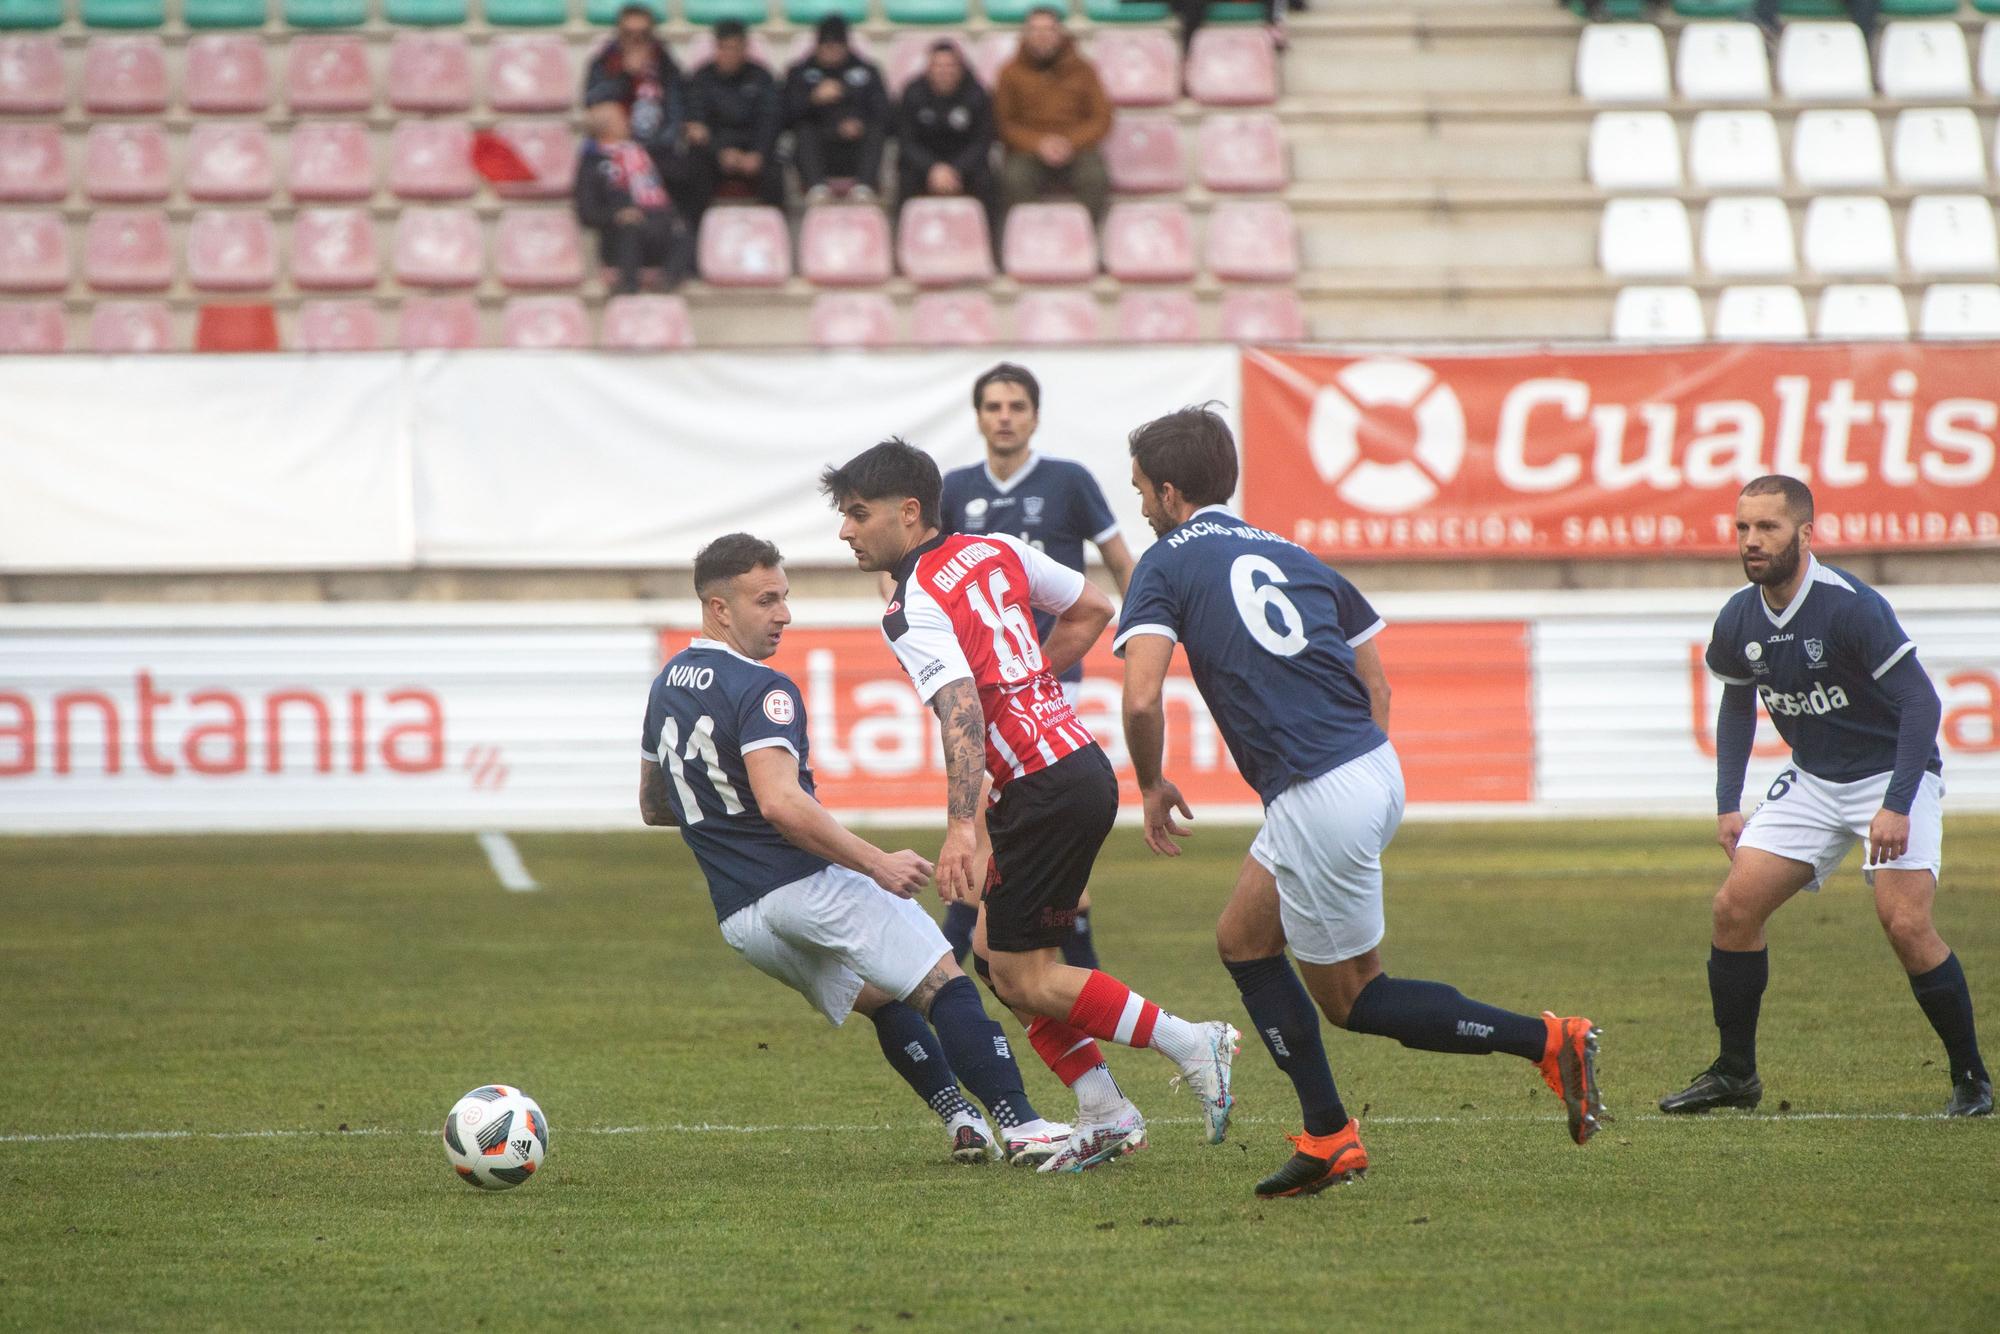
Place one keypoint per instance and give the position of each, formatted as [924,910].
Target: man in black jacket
[620,195]
[732,125]
[838,111]
[636,68]
[944,143]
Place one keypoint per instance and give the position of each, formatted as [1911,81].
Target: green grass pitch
[295,1015]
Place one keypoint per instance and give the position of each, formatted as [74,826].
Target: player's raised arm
[774,778]
[1146,660]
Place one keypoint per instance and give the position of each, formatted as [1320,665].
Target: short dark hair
[1051,10]
[1798,496]
[1192,449]
[1009,373]
[893,469]
[730,555]
[627,10]
[728,28]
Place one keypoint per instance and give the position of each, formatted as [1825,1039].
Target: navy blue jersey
[1054,505]
[1818,667]
[1270,633]
[709,706]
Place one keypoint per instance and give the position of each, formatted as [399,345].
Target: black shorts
[1047,828]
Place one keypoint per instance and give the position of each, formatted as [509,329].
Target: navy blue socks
[1283,1015]
[914,1052]
[1736,981]
[1079,948]
[959,919]
[1947,1003]
[979,1052]
[1430,1016]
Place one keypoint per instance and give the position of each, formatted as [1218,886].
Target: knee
[1238,942]
[1733,917]
[1008,980]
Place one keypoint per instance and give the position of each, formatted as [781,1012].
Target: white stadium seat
[1759,314]
[1622,62]
[1748,236]
[1862,310]
[1960,310]
[1925,58]
[1850,234]
[1839,150]
[1951,234]
[1657,315]
[1645,238]
[1634,150]
[1940,147]
[1722,62]
[1735,150]
[1989,59]
[1823,62]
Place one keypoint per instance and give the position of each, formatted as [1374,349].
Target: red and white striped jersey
[964,609]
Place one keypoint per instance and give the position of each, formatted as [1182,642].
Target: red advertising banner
[1619,453]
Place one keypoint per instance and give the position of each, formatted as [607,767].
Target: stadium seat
[530,13]
[431,159]
[1049,243]
[1253,241]
[236,327]
[1263,315]
[1125,11]
[1645,238]
[1950,234]
[124,75]
[1989,59]
[334,249]
[34,252]
[326,13]
[954,319]
[805,13]
[126,162]
[1622,62]
[31,74]
[1759,314]
[549,149]
[128,250]
[1862,310]
[1850,235]
[446,322]
[1657,315]
[1840,150]
[1143,154]
[324,73]
[123,13]
[1634,150]
[425,13]
[1159,317]
[1232,67]
[1056,317]
[537,248]
[1722,62]
[1925,59]
[29,327]
[1243,151]
[1735,150]
[226,73]
[852,319]
[31,13]
[544,322]
[32,166]
[331,160]
[1823,62]
[1016,11]
[747,246]
[529,72]
[338,326]
[943,241]
[1960,310]
[1139,69]
[844,245]
[430,71]
[910,55]
[930,12]
[231,251]
[228,160]
[992,51]
[708,13]
[1939,148]
[1748,236]
[646,323]
[131,326]
[1149,243]
[225,13]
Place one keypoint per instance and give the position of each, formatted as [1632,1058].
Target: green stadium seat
[1987,6]
[1813,9]
[708,13]
[1712,9]
[1116,11]
[31,13]
[604,13]
[124,13]
[1622,10]
[809,12]
[1237,13]
[1908,9]
[326,13]
[424,13]
[926,11]
[1016,11]
[224,13]
[526,13]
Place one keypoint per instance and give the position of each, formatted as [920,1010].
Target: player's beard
[1780,566]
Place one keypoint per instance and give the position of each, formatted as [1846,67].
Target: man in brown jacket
[1051,111]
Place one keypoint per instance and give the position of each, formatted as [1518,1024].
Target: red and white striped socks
[1079,1064]
[1107,1008]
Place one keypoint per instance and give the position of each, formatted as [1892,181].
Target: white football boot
[971,1139]
[1094,1142]
[1033,1143]
[1208,1075]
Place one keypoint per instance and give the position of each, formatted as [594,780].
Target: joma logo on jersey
[694,678]
[952,571]
[1818,700]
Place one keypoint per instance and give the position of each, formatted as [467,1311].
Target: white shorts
[1813,821]
[825,935]
[1322,841]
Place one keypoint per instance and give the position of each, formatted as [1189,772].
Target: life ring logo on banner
[1340,416]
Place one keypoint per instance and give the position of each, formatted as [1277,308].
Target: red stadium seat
[954,319]
[128,251]
[430,71]
[131,326]
[329,73]
[236,328]
[992,53]
[844,245]
[746,246]
[1143,154]
[944,241]
[1159,317]
[853,319]
[334,249]
[231,251]
[529,72]
[544,322]
[439,321]
[126,163]
[1233,66]
[431,159]
[331,160]
[31,74]
[1271,315]
[1049,243]
[124,75]
[1056,317]
[32,169]
[1140,68]
[549,148]
[338,326]
[34,252]
[228,160]
[1253,241]
[226,73]
[439,247]
[647,323]
[910,55]
[1149,243]
[32,326]
[539,248]
[1243,151]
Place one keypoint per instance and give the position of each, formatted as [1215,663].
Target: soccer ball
[496,1137]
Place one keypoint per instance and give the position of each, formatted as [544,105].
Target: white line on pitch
[506,861]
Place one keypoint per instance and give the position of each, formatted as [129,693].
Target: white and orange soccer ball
[496,1137]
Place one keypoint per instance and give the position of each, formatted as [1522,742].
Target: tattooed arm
[964,727]
[653,806]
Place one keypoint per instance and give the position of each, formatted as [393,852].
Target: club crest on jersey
[778,708]
[1031,509]
[1815,650]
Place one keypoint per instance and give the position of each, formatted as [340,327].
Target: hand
[943,180]
[959,875]
[1888,837]
[902,873]
[850,128]
[826,92]
[1161,802]
[1055,150]
[1729,828]
[697,133]
[748,163]
[730,160]
[629,215]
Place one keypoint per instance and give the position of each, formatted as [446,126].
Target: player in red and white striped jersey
[961,621]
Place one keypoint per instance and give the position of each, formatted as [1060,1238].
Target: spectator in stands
[620,195]
[944,143]
[838,111]
[1052,112]
[732,125]
[636,68]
